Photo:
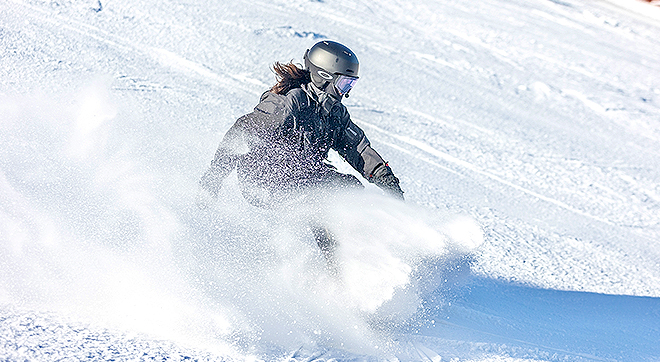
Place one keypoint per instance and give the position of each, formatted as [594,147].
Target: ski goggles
[344,83]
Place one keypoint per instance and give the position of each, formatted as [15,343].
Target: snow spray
[86,225]
[267,266]
[92,229]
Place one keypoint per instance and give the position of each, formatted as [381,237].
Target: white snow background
[526,134]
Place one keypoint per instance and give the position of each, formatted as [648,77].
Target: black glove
[385,179]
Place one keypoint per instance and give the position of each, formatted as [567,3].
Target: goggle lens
[344,84]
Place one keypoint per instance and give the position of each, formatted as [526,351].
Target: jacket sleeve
[355,148]
[270,123]
[226,157]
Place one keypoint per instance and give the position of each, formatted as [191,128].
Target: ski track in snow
[470,167]
[537,118]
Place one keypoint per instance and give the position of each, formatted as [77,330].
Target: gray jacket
[286,139]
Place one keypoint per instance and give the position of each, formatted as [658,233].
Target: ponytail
[289,76]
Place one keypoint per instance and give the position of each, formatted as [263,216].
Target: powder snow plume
[88,232]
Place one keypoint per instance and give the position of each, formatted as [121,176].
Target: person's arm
[225,160]
[356,149]
[271,123]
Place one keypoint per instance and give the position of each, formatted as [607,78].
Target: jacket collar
[326,102]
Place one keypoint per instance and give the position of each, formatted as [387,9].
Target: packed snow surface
[526,135]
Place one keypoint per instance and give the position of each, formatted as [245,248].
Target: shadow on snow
[546,323]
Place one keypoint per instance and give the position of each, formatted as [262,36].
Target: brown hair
[289,76]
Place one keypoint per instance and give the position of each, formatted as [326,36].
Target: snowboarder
[280,149]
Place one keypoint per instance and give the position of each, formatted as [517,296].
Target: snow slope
[537,119]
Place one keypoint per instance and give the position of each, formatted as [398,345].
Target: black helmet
[332,67]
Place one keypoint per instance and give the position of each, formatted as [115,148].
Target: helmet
[332,67]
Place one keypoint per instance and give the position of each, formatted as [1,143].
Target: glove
[385,179]
[390,184]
